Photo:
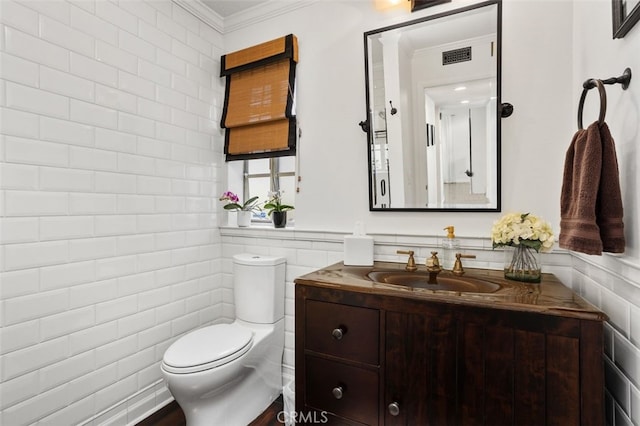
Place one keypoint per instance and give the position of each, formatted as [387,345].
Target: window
[260,176]
[259,120]
[258,113]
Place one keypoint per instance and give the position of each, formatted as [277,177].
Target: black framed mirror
[433,112]
[625,13]
[422,4]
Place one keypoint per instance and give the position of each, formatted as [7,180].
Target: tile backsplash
[611,285]
[308,251]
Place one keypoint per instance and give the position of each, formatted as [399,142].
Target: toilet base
[234,408]
[236,393]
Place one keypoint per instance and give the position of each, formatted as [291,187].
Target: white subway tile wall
[308,251]
[109,250]
[612,287]
[109,246]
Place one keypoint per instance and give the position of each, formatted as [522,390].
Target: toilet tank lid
[257,259]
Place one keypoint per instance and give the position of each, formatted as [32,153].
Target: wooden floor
[171,415]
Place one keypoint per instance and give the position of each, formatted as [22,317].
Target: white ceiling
[226,8]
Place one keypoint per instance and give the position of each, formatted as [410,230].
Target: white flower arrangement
[514,229]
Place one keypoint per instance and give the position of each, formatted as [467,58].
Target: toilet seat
[207,348]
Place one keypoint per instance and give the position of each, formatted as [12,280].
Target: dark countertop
[549,297]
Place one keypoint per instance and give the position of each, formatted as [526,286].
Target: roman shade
[258,115]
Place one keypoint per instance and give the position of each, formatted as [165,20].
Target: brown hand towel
[609,205]
[583,162]
[591,202]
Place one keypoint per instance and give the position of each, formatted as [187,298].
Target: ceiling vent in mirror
[457,55]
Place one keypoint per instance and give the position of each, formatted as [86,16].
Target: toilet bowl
[227,374]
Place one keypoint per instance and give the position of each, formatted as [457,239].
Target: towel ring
[603,102]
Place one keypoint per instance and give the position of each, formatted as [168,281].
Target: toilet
[227,374]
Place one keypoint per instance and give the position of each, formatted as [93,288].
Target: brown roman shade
[257,112]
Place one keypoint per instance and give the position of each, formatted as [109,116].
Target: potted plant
[523,236]
[276,209]
[244,210]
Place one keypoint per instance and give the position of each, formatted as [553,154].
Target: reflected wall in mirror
[440,150]
[626,13]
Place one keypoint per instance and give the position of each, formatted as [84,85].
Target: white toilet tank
[258,288]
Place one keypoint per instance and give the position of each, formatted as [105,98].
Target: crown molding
[246,18]
[203,12]
[263,12]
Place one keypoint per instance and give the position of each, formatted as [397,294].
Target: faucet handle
[411,262]
[458,270]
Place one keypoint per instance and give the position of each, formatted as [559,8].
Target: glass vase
[522,263]
[244,218]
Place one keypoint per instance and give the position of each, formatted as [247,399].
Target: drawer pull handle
[394,409]
[338,392]
[338,333]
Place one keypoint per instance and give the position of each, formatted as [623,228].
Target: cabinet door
[420,368]
[521,369]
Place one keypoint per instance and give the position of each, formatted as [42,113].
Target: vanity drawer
[347,332]
[346,391]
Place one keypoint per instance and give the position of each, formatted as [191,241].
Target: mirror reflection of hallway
[460,155]
[460,193]
[464,140]
[414,71]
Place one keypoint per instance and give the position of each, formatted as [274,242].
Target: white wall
[331,101]
[597,55]
[109,170]
[549,48]
[613,282]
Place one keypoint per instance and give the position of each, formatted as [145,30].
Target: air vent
[457,55]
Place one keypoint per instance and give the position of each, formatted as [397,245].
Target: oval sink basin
[444,282]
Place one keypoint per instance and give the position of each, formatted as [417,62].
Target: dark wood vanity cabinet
[529,369]
[364,358]
[343,359]
[419,365]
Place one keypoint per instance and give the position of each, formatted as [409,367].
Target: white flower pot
[244,218]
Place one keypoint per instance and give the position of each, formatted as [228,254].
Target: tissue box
[358,250]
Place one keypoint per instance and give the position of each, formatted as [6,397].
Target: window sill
[267,231]
[258,225]
[254,228]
